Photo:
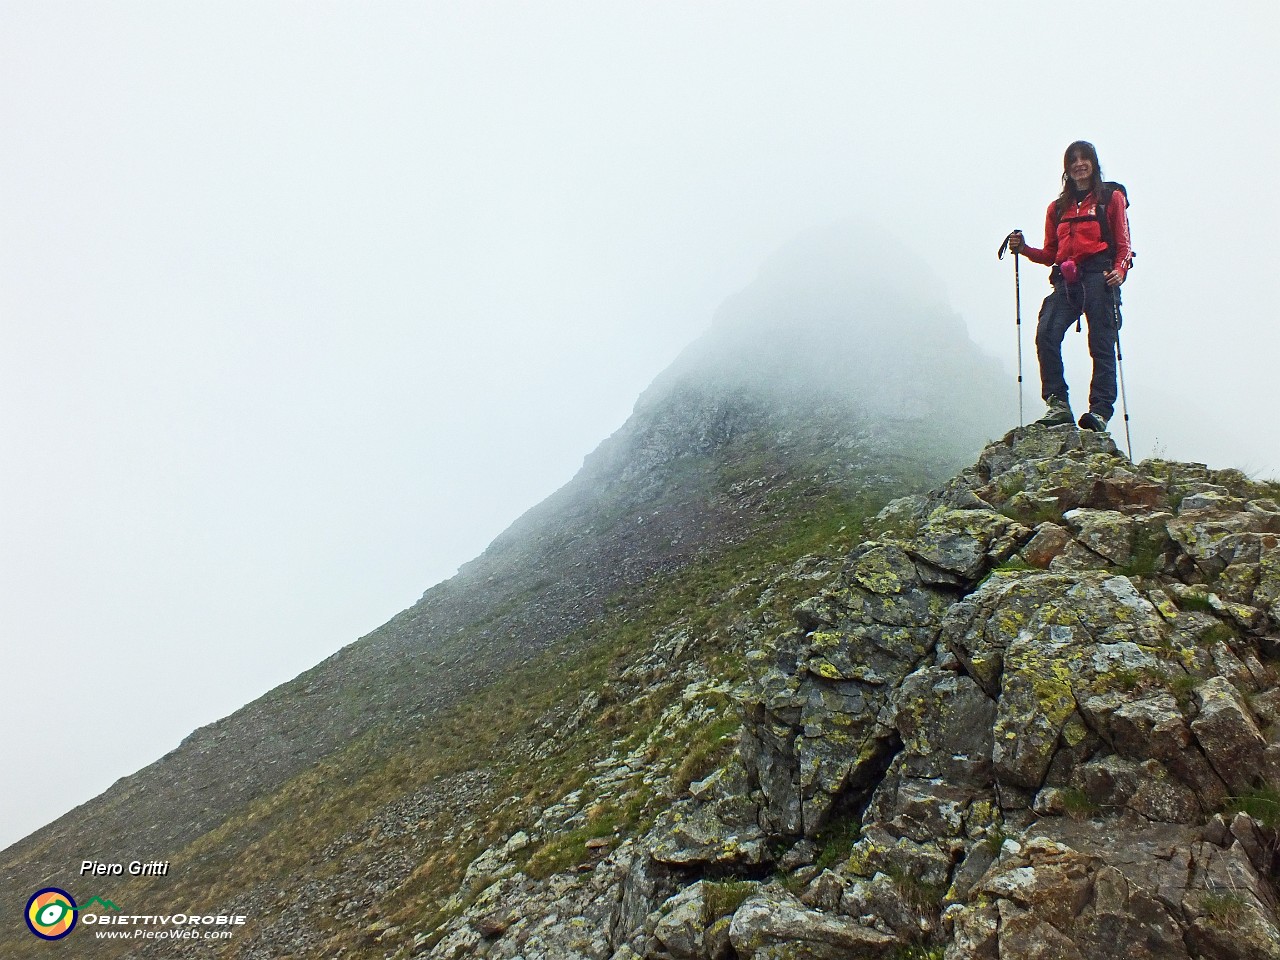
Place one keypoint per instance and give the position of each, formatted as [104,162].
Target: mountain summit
[846,322]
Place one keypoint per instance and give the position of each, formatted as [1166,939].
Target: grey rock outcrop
[1034,715]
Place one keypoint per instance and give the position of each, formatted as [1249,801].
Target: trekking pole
[1124,401]
[1017,293]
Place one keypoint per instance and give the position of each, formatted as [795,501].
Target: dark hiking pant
[1062,308]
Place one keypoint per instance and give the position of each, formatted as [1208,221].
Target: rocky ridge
[1034,714]
[812,382]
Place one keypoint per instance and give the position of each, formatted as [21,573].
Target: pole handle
[1005,245]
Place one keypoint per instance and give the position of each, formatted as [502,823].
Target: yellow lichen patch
[1165,607]
[911,716]
[824,669]
[982,813]
[1075,731]
[821,640]
[1047,677]
[1009,622]
[876,572]
[864,856]
[1058,615]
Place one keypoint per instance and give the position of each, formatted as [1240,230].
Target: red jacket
[1070,238]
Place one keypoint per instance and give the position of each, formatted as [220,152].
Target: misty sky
[303,303]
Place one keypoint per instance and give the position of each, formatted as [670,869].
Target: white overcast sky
[302,303]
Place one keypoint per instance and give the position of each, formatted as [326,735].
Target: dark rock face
[1037,716]
[816,730]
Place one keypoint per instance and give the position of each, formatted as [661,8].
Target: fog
[302,304]
[827,331]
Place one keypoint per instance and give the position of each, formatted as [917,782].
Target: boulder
[1229,909]
[1228,735]
[773,925]
[1053,901]
[1107,533]
[968,542]
[1049,542]
[681,926]
[719,834]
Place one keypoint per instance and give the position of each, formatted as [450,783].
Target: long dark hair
[1090,153]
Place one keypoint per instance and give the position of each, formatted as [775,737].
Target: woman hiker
[1086,241]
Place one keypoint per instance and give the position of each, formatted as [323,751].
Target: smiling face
[1080,169]
[1080,164]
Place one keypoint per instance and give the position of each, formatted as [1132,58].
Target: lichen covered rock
[773,925]
[1036,714]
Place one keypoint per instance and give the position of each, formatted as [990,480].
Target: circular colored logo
[51,913]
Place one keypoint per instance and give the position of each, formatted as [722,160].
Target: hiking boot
[1059,413]
[1091,421]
